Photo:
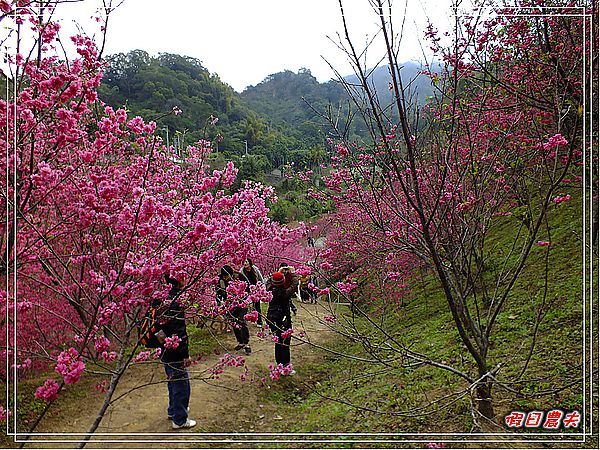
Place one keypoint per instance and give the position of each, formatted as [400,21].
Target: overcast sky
[243,41]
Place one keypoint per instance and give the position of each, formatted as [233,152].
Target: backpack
[149,325]
[147,329]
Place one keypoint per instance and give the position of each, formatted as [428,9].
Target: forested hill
[282,119]
[151,86]
[156,84]
[298,100]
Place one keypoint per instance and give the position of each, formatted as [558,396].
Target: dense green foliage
[264,130]
[152,86]
[155,85]
[311,110]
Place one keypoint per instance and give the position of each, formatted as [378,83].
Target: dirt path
[222,405]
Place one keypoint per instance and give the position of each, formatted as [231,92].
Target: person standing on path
[279,317]
[304,280]
[235,314]
[173,338]
[252,275]
[290,281]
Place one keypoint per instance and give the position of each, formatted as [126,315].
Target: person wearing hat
[291,281]
[235,314]
[279,316]
[289,273]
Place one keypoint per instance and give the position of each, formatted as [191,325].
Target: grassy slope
[425,322]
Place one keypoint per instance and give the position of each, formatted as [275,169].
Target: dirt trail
[224,405]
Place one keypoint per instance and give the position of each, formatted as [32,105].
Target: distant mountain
[417,85]
[300,101]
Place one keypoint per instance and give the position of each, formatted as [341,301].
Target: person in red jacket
[279,316]
[290,281]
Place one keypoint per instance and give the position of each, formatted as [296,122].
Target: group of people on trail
[283,284]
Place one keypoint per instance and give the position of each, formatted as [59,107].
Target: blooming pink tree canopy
[98,211]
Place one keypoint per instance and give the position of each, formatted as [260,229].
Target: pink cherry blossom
[561,198]
[346,287]
[172,342]
[276,372]
[24,365]
[555,141]
[287,333]
[49,390]
[70,366]
[142,356]
[5,6]
[252,316]
[102,343]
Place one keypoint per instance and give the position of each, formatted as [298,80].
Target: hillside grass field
[348,395]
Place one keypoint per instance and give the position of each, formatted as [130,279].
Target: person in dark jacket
[175,357]
[252,275]
[235,314]
[291,281]
[279,316]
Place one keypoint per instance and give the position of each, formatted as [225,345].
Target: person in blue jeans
[176,360]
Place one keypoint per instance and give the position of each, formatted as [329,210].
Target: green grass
[201,340]
[352,396]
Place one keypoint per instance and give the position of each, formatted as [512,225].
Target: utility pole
[246,144]
[167,130]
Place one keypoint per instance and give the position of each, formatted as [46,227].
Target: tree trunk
[114,382]
[484,400]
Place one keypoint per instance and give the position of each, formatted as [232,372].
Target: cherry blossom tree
[502,138]
[97,211]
